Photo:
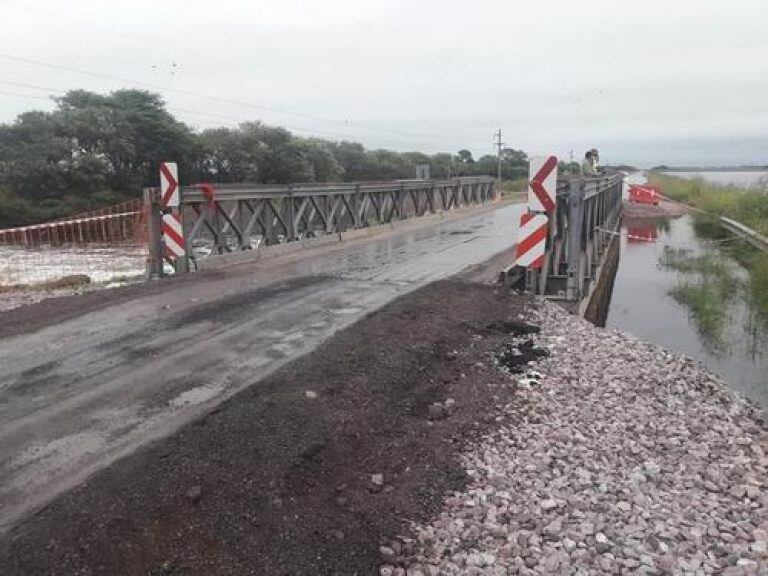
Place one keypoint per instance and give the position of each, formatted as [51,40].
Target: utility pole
[498,143]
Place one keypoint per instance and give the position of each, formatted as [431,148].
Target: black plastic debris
[512,327]
[515,357]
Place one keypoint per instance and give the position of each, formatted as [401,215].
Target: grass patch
[514,188]
[758,285]
[708,313]
[754,260]
[709,285]
[746,205]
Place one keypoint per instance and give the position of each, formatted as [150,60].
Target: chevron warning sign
[542,185]
[169,185]
[173,235]
[531,240]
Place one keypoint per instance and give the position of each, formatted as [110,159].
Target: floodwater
[744,179]
[19,265]
[686,293]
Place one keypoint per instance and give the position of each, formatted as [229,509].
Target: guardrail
[581,231]
[751,236]
[237,217]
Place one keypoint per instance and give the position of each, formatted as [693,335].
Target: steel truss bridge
[228,218]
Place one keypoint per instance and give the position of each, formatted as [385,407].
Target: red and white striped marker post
[542,186]
[172,225]
[169,185]
[173,235]
[534,224]
[532,241]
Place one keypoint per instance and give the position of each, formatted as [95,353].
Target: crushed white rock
[622,459]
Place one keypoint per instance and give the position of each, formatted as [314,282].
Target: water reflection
[642,233]
[682,283]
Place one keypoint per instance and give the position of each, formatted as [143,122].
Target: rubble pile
[617,457]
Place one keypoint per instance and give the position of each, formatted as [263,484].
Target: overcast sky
[674,81]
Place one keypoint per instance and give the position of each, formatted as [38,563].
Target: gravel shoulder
[621,459]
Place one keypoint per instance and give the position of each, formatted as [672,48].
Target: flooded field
[679,286]
[31,266]
[745,179]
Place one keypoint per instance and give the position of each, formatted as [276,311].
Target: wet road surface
[78,395]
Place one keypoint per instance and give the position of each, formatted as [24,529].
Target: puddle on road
[60,451]
[198,395]
[346,311]
[293,336]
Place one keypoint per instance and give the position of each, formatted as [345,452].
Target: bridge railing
[228,218]
[581,230]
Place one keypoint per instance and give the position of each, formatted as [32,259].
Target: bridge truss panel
[581,229]
[238,217]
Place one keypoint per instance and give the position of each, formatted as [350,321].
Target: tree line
[94,149]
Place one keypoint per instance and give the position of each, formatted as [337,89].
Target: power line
[259,106]
[31,86]
[290,127]
[20,95]
[200,113]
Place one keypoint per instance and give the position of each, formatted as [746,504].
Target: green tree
[464,163]
[224,158]
[96,149]
[282,158]
[387,165]
[353,160]
[486,165]
[130,129]
[441,165]
[319,153]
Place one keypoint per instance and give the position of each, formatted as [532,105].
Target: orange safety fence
[125,223]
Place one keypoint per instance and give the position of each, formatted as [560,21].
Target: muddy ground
[282,477]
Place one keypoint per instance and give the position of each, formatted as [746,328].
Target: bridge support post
[290,234]
[575,216]
[154,220]
[356,201]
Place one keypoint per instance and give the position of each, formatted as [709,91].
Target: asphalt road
[77,395]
